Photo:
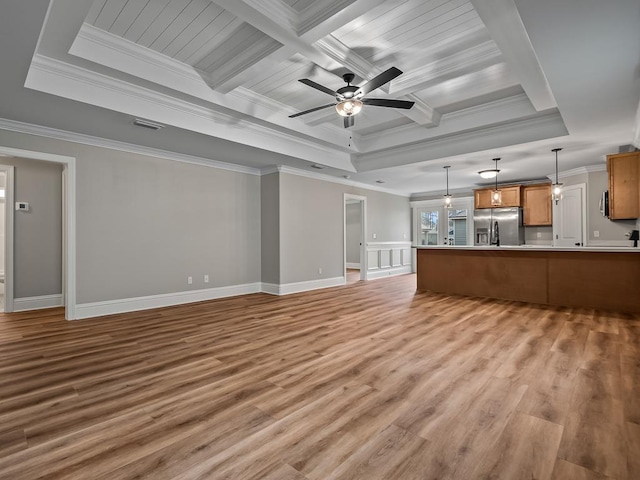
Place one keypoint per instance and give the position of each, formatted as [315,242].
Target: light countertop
[535,248]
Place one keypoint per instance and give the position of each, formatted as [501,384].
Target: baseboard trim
[297,287]
[37,303]
[355,266]
[111,307]
[388,272]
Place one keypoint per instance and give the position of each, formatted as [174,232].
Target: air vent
[139,122]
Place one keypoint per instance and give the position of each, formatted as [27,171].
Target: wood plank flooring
[367,381]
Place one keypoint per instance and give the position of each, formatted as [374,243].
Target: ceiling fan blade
[312,110]
[349,122]
[317,86]
[385,102]
[378,81]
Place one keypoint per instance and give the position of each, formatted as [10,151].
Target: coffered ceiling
[507,78]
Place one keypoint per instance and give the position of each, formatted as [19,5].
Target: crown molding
[123,55]
[328,178]
[48,132]
[526,130]
[77,83]
[578,171]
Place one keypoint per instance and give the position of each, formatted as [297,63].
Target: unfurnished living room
[312,240]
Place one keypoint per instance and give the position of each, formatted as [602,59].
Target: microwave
[604,204]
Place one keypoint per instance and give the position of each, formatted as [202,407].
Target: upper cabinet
[624,185]
[536,200]
[509,197]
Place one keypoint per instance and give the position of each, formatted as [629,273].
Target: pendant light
[447,197]
[557,187]
[496,195]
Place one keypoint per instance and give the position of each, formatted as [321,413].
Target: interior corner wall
[270,227]
[312,225]
[144,224]
[37,233]
[609,230]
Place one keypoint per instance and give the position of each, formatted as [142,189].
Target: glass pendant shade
[557,187]
[349,107]
[447,197]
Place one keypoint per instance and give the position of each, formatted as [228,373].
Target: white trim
[71,81]
[372,245]
[363,233]
[20,127]
[37,303]
[297,287]
[578,171]
[329,178]
[354,266]
[111,307]
[8,203]
[439,202]
[388,272]
[69,166]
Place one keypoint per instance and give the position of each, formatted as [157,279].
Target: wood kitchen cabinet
[536,200]
[510,197]
[624,185]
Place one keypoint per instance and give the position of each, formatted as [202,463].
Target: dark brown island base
[601,278]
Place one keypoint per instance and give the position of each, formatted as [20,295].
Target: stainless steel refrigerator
[498,226]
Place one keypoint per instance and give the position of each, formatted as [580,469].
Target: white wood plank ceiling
[442,46]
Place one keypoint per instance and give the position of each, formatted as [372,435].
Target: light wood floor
[368,381]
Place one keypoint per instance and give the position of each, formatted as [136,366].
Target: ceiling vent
[139,122]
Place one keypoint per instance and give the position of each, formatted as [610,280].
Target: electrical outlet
[319,270]
[375,235]
[596,233]
[190,280]
[206,279]
[539,235]
[405,236]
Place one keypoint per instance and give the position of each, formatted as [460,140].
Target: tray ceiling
[230,68]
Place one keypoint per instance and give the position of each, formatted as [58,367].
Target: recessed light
[346,176]
[317,167]
[379,181]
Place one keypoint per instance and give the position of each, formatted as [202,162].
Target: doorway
[355,252]
[569,217]
[68,229]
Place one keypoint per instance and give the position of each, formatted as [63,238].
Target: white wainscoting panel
[406,256]
[388,258]
[373,259]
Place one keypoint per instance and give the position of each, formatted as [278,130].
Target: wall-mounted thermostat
[22,206]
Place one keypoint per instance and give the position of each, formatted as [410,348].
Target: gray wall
[270,227]
[354,227]
[144,224]
[311,225]
[597,182]
[37,232]
[609,229]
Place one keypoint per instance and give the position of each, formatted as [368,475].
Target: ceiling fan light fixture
[349,107]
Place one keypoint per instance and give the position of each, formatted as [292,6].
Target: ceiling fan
[350,99]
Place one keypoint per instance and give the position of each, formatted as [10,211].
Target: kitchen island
[596,277]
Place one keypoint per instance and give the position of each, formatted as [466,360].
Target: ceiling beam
[503,20]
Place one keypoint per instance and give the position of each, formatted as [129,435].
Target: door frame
[363,234]
[68,228]
[8,170]
[583,208]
